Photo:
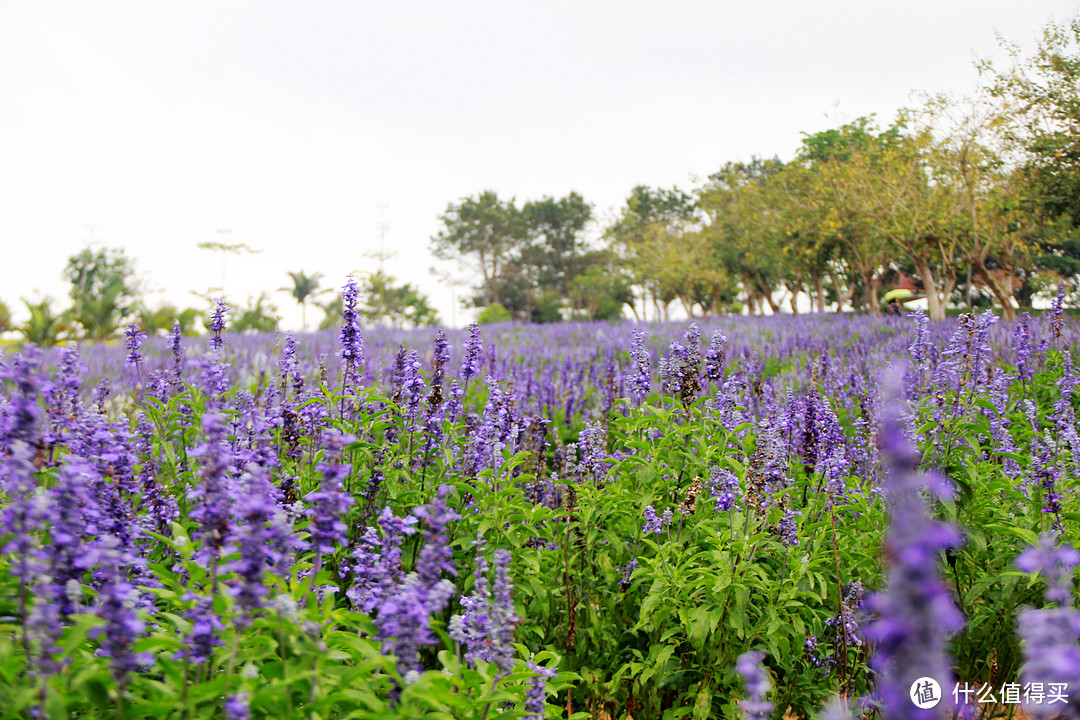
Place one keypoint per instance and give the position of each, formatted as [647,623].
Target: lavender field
[743,517]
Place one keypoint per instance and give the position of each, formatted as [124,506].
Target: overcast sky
[153,125]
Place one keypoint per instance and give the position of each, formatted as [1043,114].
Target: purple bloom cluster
[116,606]
[330,502]
[749,667]
[212,497]
[1051,636]
[486,628]
[915,613]
[474,347]
[723,485]
[640,377]
[536,695]
[217,324]
[403,615]
[654,524]
[205,631]
[377,568]
[133,341]
[350,340]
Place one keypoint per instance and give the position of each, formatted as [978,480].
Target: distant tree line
[105,296]
[969,200]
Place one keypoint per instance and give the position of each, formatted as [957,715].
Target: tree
[103,290]
[333,313]
[5,318]
[258,316]
[643,238]
[162,318]
[555,246]
[740,202]
[855,254]
[383,299]
[1042,129]
[305,287]
[45,327]
[482,234]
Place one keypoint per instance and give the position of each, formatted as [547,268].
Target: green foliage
[45,326]
[103,291]
[162,318]
[493,313]
[5,318]
[304,289]
[258,316]
[400,305]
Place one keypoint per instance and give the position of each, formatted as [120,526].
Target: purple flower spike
[1056,563]
[116,606]
[404,617]
[749,667]
[238,707]
[915,613]
[350,339]
[330,502]
[133,341]
[1051,636]
[217,324]
[536,694]
[641,375]
[205,631]
[474,346]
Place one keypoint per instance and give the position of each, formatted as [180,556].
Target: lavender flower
[204,634]
[654,524]
[1057,315]
[217,325]
[474,346]
[212,497]
[331,501]
[640,378]
[593,440]
[403,618]
[176,344]
[73,518]
[377,568]
[133,341]
[723,485]
[749,667]
[350,339]
[238,706]
[787,530]
[262,537]
[714,357]
[45,627]
[1051,636]
[536,694]
[116,606]
[1025,368]
[915,613]
[487,626]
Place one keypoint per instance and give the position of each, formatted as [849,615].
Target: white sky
[152,125]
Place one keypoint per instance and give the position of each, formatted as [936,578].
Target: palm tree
[44,327]
[305,287]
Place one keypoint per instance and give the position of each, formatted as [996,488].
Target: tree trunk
[772,304]
[933,299]
[794,304]
[840,298]
[870,288]
[1004,298]
[819,292]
